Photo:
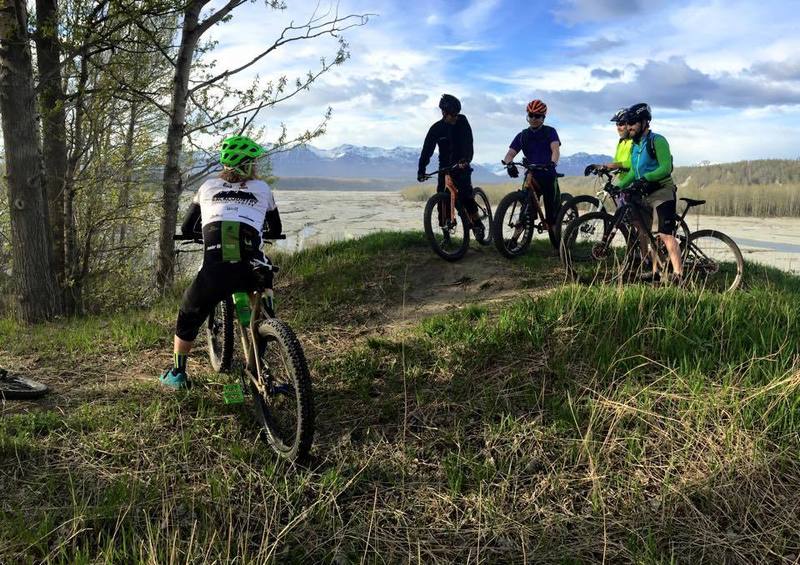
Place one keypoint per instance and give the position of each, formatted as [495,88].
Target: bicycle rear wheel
[713,261]
[283,399]
[512,229]
[16,387]
[448,238]
[219,334]
[593,250]
[484,215]
[565,215]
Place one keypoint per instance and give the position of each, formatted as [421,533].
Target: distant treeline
[741,173]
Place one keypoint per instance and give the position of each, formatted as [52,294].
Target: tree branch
[311,33]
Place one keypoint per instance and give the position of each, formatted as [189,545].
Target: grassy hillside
[765,188]
[477,412]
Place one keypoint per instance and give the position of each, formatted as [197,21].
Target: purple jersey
[535,144]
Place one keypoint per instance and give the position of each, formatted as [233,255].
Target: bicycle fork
[448,219]
[251,346]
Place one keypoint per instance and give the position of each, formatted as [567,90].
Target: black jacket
[455,143]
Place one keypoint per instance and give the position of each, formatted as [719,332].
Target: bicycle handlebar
[193,239]
[431,174]
[535,167]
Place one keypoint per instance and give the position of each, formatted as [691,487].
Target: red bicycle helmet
[536,107]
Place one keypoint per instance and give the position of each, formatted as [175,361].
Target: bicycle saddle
[690,202]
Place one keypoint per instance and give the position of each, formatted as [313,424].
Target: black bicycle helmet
[640,112]
[449,104]
[620,116]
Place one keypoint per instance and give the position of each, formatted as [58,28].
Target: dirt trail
[433,286]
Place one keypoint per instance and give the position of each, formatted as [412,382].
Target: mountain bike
[577,206]
[275,380]
[520,215]
[17,387]
[600,247]
[449,238]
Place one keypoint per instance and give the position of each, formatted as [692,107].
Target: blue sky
[722,77]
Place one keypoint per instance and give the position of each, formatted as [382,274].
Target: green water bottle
[242,301]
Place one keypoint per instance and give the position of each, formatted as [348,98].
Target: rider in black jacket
[453,135]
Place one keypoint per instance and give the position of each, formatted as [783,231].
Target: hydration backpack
[651,150]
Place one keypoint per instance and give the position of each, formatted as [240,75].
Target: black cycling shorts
[667,219]
[664,202]
[213,283]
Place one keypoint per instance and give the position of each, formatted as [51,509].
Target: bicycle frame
[534,192]
[450,186]
[623,216]
[253,366]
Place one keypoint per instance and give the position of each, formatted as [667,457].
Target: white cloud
[688,61]
[467,46]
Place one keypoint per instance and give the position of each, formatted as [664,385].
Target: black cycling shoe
[676,279]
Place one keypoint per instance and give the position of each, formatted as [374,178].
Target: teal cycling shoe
[178,381]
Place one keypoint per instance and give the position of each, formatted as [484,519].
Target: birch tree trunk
[171,185]
[38,297]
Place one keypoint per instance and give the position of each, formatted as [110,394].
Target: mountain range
[392,165]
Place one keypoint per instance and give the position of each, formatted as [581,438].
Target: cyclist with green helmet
[229,212]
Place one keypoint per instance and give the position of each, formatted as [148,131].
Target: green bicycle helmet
[239,150]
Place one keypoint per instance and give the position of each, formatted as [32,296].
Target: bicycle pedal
[233,393]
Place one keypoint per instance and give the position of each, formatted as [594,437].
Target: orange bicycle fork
[450,217]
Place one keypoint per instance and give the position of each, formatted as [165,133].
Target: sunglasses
[536,116]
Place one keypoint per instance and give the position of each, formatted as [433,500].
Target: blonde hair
[234,175]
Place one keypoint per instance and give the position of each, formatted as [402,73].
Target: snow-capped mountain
[398,163]
[571,165]
[352,161]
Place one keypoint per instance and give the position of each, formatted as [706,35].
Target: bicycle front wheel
[283,399]
[713,261]
[448,236]
[565,215]
[574,208]
[593,250]
[219,334]
[512,229]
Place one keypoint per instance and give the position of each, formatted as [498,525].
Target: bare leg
[182,346]
[671,243]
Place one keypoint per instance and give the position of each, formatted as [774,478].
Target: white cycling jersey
[247,202]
